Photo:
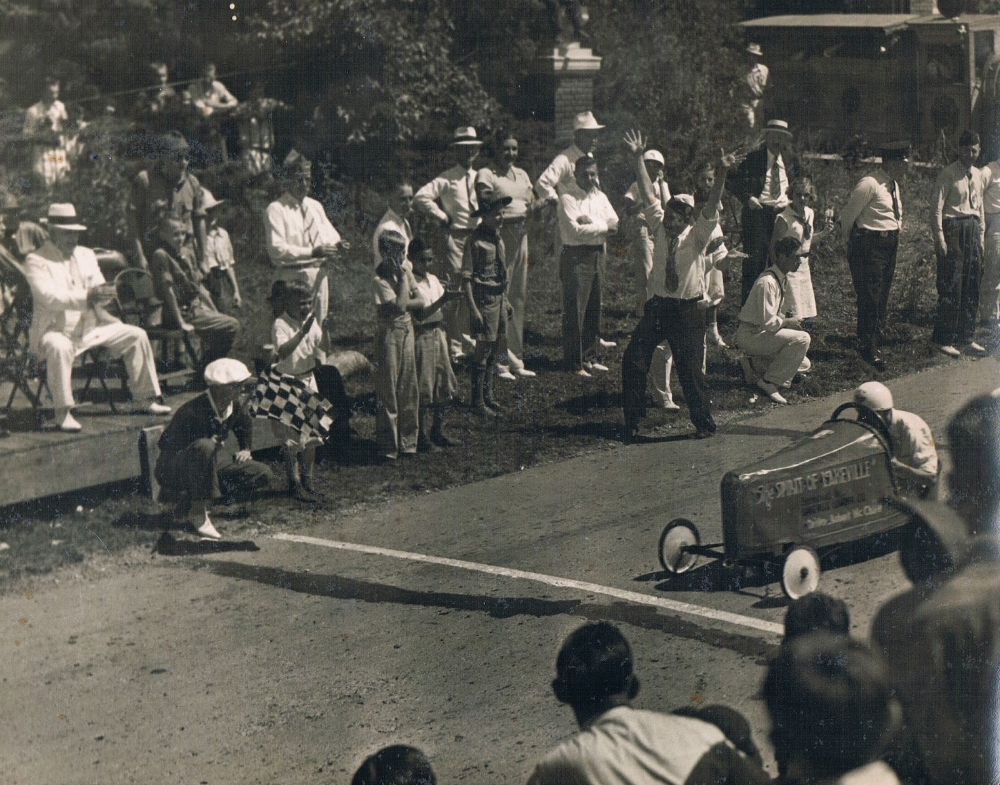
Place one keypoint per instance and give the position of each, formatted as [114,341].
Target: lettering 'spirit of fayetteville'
[765,493]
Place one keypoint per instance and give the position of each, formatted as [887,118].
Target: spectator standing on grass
[761,184]
[396,421]
[620,745]
[677,284]
[774,343]
[755,83]
[989,286]
[832,711]
[436,383]
[450,200]
[870,224]
[502,178]
[220,272]
[45,125]
[959,229]
[396,218]
[69,296]
[655,165]
[195,461]
[798,221]
[484,282]
[395,765]
[166,189]
[586,218]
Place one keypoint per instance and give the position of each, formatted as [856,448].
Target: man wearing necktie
[870,224]
[450,200]
[958,226]
[760,183]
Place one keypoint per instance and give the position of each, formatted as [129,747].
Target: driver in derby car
[914,457]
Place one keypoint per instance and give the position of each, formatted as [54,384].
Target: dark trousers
[958,283]
[872,259]
[581,270]
[215,331]
[221,288]
[682,324]
[758,226]
[195,470]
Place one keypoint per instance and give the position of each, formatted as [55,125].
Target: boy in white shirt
[220,275]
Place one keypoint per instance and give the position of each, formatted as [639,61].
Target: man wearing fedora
[760,183]
[755,83]
[870,224]
[69,294]
[450,201]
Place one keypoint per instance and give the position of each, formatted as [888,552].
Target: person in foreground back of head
[816,612]
[395,765]
[832,711]
[618,744]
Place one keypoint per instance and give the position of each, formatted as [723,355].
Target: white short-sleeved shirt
[306,354]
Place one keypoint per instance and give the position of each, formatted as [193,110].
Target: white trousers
[124,341]
[778,355]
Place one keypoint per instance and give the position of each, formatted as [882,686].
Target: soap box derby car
[830,488]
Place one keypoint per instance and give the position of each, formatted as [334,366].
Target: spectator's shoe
[69,424]
[771,391]
[948,350]
[503,372]
[523,372]
[600,343]
[976,349]
[155,407]
[582,372]
[631,434]
[207,531]
[595,366]
[668,405]
[874,358]
[713,337]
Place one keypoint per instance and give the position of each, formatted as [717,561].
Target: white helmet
[873,395]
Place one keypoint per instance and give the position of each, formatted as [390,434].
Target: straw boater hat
[654,155]
[585,121]
[487,206]
[465,136]
[62,215]
[754,49]
[777,127]
[209,199]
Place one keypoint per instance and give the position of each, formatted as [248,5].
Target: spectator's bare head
[504,148]
[401,199]
[395,765]
[295,175]
[208,72]
[704,180]
[52,87]
[172,155]
[801,191]
[787,254]
[172,232]
[968,144]
[830,704]
[421,255]
[298,298]
[594,670]
[814,612]
[392,247]
[585,172]
[974,481]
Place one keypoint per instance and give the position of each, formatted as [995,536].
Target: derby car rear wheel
[677,539]
[800,572]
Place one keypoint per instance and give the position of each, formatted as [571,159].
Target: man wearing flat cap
[958,226]
[194,461]
[870,223]
[69,294]
[450,201]
[166,189]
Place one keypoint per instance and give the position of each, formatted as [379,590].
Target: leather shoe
[595,366]
[602,344]
[771,391]
[69,424]
[157,408]
[874,358]
[207,531]
[524,372]
[976,348]
[949,350]
[504,373]
[582,372]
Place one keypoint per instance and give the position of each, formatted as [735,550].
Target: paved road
[289,664]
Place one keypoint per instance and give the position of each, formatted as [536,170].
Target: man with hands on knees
[676,287]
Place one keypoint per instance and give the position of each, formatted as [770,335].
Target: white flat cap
[654,155]
[226,371]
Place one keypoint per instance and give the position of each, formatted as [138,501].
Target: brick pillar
[572,69]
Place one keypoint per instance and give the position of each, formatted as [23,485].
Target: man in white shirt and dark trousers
[586,218]
[450,200]
[870,224]
[958,226]
[676,284]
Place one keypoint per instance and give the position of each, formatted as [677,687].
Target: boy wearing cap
[69,294]
[484,281]
[653,160]
[870,224]
[959,229]
[220,275]
[775,344]
[755,83]
[396,218]
[191,459]
[450,200]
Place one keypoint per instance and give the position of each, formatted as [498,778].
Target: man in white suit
[69,296]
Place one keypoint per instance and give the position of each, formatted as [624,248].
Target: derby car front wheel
[800,572]
[677,539]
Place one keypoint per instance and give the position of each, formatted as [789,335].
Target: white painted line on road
[550,580]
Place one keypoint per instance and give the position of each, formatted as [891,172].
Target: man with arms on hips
[870,224]
[775,344]
[396,218]
[300,238]
[677,288]
[914,456]
[959,230]
[191,458]
[450,200]
[69,295]
[586,218]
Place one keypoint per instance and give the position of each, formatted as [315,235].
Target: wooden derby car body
[827,489]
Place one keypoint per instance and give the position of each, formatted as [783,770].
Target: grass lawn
[551,417]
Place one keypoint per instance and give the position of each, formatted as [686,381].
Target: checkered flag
[288,400]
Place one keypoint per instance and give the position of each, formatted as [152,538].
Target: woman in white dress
[44,124]
[797,220]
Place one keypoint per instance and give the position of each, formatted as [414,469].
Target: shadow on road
[338,587]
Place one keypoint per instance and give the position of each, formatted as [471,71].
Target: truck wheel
[677,538]
[800,572]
